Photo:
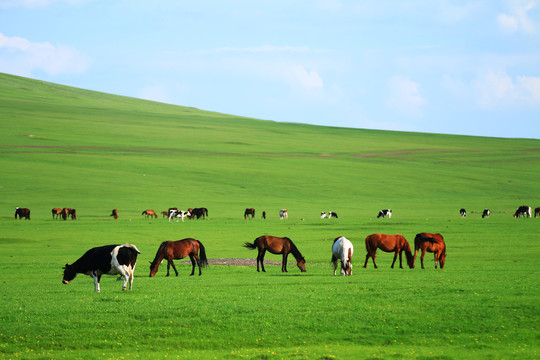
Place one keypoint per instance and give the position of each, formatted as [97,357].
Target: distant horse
[114,214]
[197,213]
[22,213]
[389,243]
[263,215]
[165,214]
[69,212]
[174,250]
[524,211]
[276,245]
[56,212]
[150,213]
[342,249]
[249,212]
[433,243]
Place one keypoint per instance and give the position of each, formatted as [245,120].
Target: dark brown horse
[433,243]
[276,245]
[249,212]
[22,213]
[389,243]
[56,212]
[150,213]
[69,212]
[174,250]
[114,214]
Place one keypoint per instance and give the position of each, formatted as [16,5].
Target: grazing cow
[150,213]
[198,213]
[264,214]
[386,212]
[109,259]
[178,214]
[462,212]
[486,213]
[332,214]
[342,249]
[323,215]
[114,214]
[22,213]
[56,212]
[523,211]
[283,214]
[249,212]
[537,212]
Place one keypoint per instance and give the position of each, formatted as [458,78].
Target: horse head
[153,268]
[302,264]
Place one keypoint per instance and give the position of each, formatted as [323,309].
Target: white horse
[178,214]
[342,250]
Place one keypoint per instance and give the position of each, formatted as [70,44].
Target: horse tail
[249,245]
[368,244]
[158,253]
[203,260]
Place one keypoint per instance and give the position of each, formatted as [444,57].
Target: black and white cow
[108,259]
[283,214]
[178,214]
[523,211]
[332,214]
[486,213]
[323,215]
[383,213]
[462,212]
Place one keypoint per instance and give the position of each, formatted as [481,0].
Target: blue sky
[438,66]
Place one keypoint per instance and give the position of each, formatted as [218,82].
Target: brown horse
[56,212]
[433,243]
[174,250]
[69,212]
[389,243]
[276,245]
[249,212]
[114,214]
[150,213]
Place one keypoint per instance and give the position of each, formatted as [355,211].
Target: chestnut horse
[56,212]
[433,243]
[276,245]
[150,213]
[174,250]
[389,243]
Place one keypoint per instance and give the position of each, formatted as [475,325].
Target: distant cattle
[524,211]
[486,213]
[283,214]
[323,215]
[109,260]
[383,213]
[69,212]
[537,212]
[178,214]
[264,214]
[150,213]
[249,212]
[22,213]
[197,213]
[56,213]
[332,214]
[114,214]
[463,212]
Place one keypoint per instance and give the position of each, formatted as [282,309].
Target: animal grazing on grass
[249,212]
[56,213]
[486,213]
[148,213]
[386,212]
[69,212]
[323,215]
[433,243]
[332,214]
[389,243]
[114,214]
[524,211]
[197,213]
[165,214]
[178,214]
[22,213]
[174,250]
[463,212]
[342,249]
[276,245]
[109,260]
[537,212]
[283,214]
[264,215]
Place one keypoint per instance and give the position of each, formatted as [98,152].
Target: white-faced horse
[342,250]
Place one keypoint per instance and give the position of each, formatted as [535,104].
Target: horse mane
[154,263]
[294,250]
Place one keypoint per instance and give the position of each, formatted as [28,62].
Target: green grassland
[66,147]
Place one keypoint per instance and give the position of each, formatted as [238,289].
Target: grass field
[65,147]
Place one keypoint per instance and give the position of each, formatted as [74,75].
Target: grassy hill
[67,147]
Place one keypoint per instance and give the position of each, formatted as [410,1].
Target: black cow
[384,213]
[22,213]
[523,211]
[486,213]
[462,212]
[249,212]
[108,259]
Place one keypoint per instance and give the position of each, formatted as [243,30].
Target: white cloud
[518,18]
[20,56]
[405,95]
[495,89]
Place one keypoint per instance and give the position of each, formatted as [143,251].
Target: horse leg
[334,261]
[260,259]
[373,258]
[436,256]
[422,258]
[395,257]
[400,259]
[174,267]
[284,264]
[192,258]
